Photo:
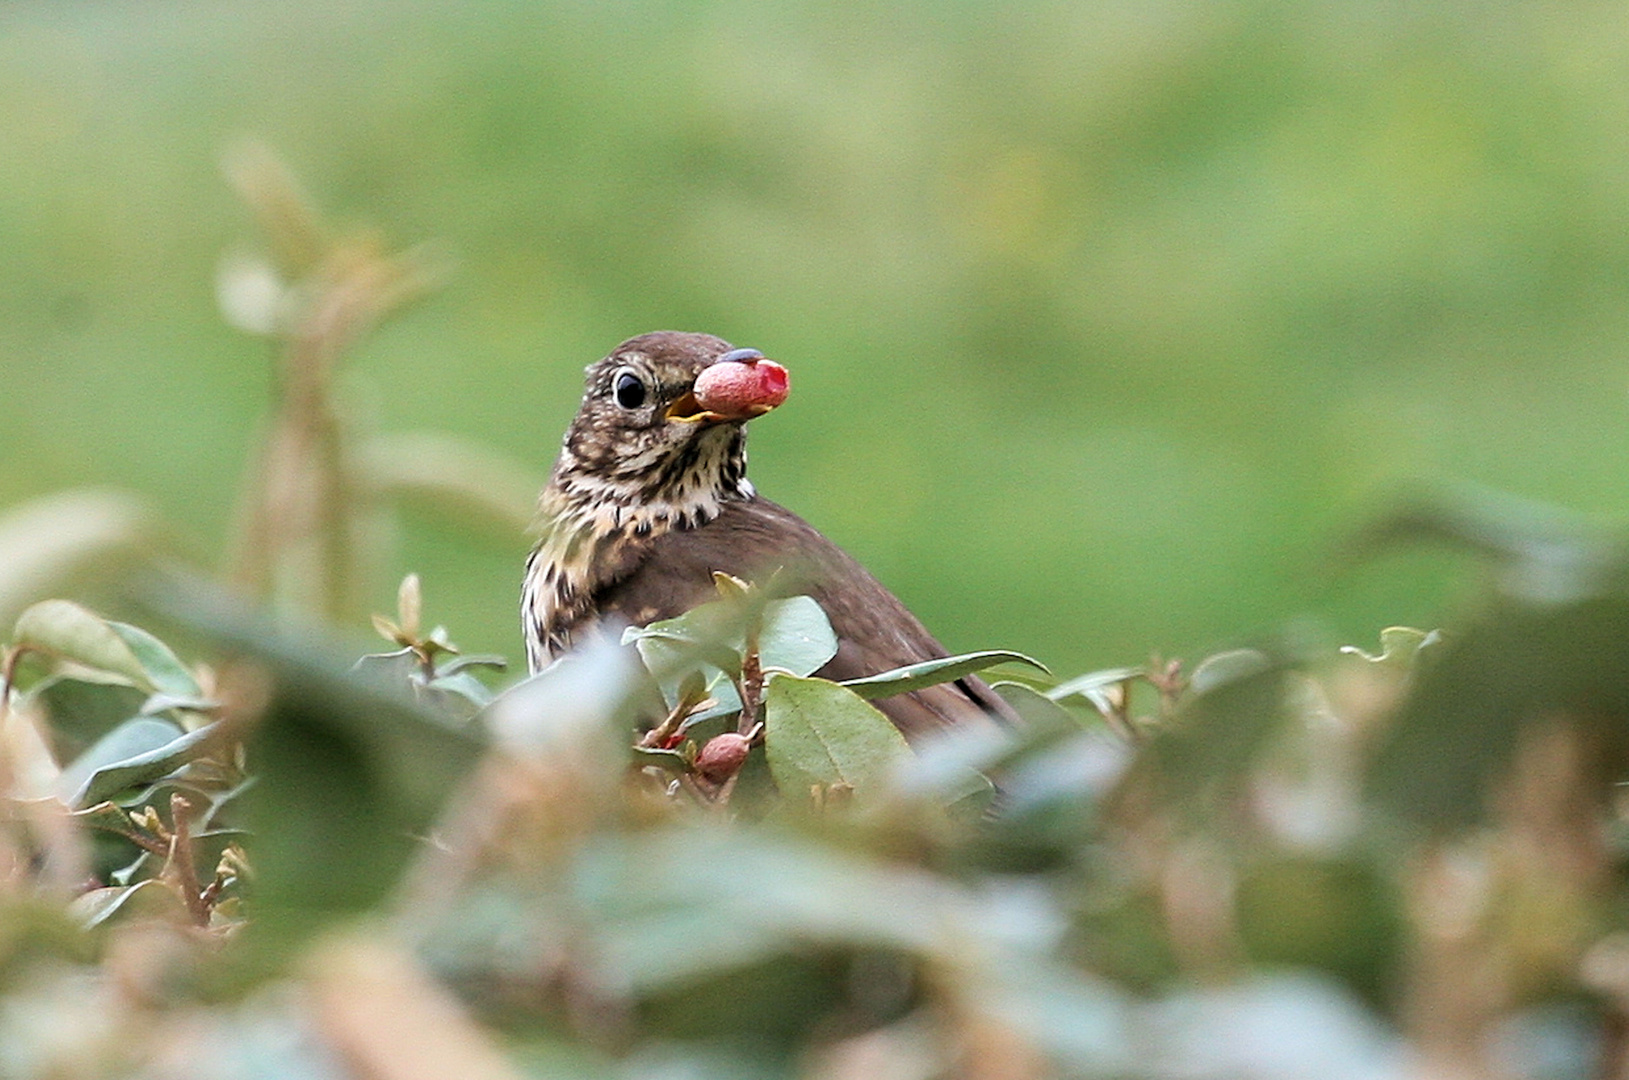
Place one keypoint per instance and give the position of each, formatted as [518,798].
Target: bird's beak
[688,410]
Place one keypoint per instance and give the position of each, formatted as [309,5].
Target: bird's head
[662,418]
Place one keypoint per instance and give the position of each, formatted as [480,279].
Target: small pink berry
[723,756]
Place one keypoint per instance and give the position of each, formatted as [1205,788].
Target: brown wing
[875,632]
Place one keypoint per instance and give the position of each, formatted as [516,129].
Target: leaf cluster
[559,881]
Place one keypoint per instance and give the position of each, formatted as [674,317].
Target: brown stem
[721,798]
[427,663]
[145,842]
[181,860]
[661,733]
[212,891]
[1118,714]
[751,686]
[1166,675]
[690,786]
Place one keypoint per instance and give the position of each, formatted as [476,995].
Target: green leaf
[1228,666]
[674,761]
[163,670]
[454,664]
[1094,686]
[162,702]
[143,769]
[400,666]
[148,899]
[714,633]
[71,632]
[135,753]
[1399,645]
[933,672]
[726,701]
[795,636]
[818,732]
[670,658]
[105,816]
[463,685]
[137,735]
[83,710]
[1036,709]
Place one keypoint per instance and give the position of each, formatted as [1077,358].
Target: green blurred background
[1104,319]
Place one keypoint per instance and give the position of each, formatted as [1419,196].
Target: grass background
[1104,319]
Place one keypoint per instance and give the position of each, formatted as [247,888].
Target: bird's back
[751,538]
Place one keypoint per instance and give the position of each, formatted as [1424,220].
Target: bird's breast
[585,551]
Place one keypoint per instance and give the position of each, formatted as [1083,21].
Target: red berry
[723,756]
[738,388]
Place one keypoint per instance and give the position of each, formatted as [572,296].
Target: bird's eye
[629,390]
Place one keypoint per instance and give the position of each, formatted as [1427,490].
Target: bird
[649,498]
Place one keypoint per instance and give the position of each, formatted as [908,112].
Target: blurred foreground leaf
[351,769]
[381,1014]
[1542,553]
[1217,735]
[1474,695]
[46,540]
[468,479]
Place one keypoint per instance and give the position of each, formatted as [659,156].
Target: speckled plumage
[641,509]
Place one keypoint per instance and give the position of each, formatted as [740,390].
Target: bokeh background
[1105,320]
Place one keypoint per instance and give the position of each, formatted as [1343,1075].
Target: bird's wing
[752,538]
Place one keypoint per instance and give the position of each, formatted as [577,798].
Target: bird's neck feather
[680,489]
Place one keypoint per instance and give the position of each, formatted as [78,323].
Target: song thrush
[650,496]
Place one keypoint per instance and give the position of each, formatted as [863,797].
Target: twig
[1166,675]
[689,785]
[149,844]
[751,685]
[660,735]
[212,891]
[181,860]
